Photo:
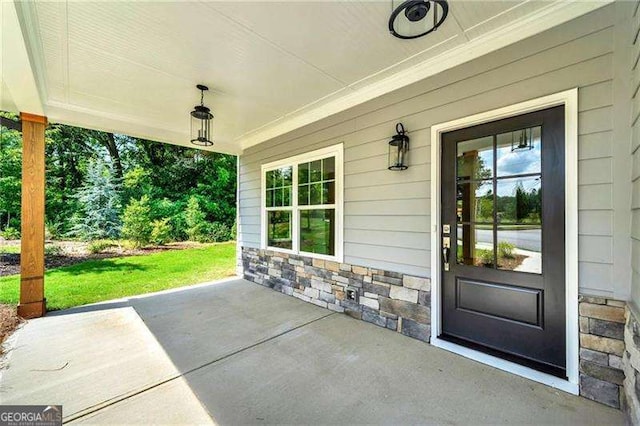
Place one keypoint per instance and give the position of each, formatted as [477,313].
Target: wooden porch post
[32,301]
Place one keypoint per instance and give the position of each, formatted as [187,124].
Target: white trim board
[569,99]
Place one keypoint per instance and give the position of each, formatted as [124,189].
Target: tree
[195,219]
[100,204]
[10,178]
[137,225]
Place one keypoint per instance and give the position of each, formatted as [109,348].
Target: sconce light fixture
[399,149]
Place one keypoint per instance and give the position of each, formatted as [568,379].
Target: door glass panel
[279,229]
[475,158]
[317,231]
[474,201]
[518,152]
[519,201]
[475,245]
[520,248]
[517,207]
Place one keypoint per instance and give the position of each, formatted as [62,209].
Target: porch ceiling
[132,67]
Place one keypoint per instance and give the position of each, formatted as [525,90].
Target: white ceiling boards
[132,67]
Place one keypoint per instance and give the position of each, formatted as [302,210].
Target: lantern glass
[201,126]
[399,152]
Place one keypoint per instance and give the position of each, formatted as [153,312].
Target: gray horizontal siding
[635,173]
[387,213]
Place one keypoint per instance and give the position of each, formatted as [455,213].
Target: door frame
[569,99]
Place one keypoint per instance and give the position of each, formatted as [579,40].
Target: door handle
[446,251]
[445,254]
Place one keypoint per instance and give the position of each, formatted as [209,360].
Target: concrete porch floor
[234,352]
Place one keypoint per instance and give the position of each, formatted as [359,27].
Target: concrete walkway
[237,353]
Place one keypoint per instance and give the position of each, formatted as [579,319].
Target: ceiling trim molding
[551,16]
[27,16]
[73,115]
[17,70]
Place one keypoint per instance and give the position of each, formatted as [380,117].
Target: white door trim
[569,99]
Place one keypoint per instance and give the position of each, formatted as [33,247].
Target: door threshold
[508,366]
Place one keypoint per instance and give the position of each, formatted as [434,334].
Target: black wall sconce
[399,149]
[201,121]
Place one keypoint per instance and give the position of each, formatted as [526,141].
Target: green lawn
[97,280]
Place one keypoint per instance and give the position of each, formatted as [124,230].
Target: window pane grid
[309,204]
[499,178]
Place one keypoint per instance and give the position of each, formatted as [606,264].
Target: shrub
[506,250]
[161,232]
[53,250]
[10,233]
[195,220]
[216,232]
[52,230]
[234,230]
[136,222]
[485,256]
[98,246]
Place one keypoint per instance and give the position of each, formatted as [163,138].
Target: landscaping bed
[9,321]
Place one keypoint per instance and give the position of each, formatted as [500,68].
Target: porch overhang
[273,67]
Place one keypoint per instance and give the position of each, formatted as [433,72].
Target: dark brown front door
[502,239]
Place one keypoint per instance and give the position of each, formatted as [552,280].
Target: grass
[97,280]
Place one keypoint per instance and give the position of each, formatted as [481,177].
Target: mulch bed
[10,262]
[9,321]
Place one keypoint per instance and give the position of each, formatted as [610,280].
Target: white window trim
[569,99]
[338,152]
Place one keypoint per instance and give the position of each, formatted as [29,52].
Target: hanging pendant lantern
[399,149]
[522,140]
[417,18]
[201,121]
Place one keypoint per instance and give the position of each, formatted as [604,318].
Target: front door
[502,239]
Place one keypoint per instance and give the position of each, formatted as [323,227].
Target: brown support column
[32,301]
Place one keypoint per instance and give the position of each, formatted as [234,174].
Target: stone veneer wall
[631,366]
[402,303]
[387,299]
[601,350]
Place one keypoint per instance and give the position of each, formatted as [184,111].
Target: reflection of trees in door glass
[519,201]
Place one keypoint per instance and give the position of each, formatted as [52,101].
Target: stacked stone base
[631,365]
[387,299]
[402,303]
[601,350]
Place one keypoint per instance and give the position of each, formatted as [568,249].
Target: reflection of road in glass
[526,239]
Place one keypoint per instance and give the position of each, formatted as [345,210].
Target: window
[302,204]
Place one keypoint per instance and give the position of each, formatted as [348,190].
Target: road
[528,239]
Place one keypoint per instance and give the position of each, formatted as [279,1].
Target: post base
[32,309]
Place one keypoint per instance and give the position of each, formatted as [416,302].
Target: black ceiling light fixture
[399,149]
[201,121]
[411,18]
